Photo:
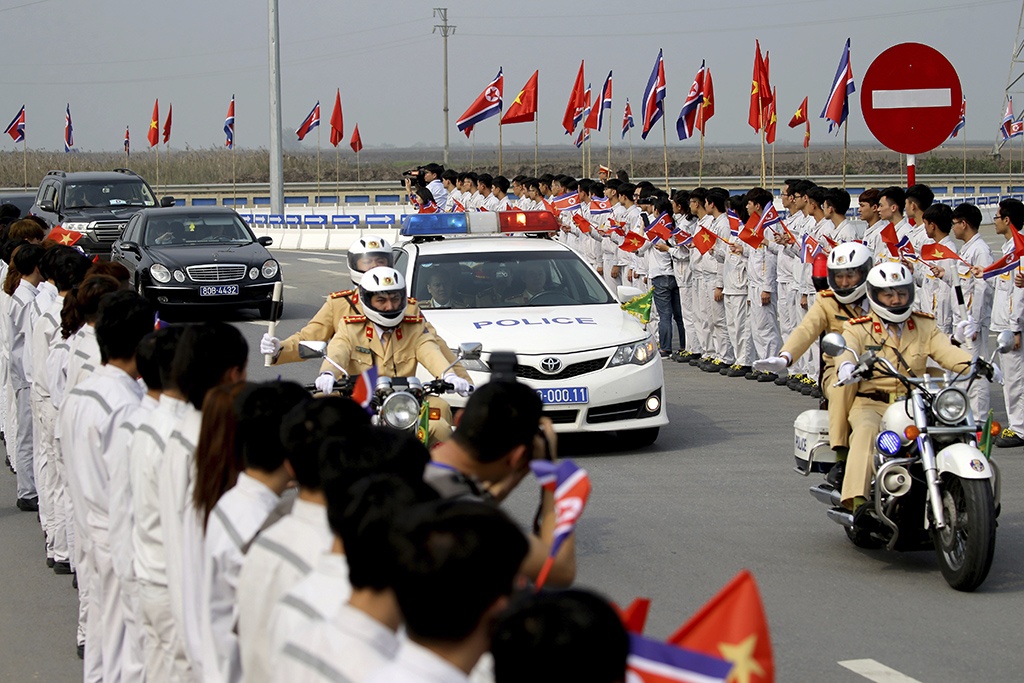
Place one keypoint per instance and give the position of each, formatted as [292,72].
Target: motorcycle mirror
[833,344]
[470,350]
[1004,342]
[312,349]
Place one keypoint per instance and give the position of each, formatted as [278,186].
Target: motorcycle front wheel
[966,544]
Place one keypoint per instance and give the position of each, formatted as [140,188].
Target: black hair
[83,301]
[838,199]
[622,176]
[260,408]
[450,175]
[155,353]
[423,195]
[26,258]
[560,636]
[366,523]
[738,203]
[307,425]
[969,214]
[455,560]
[801,187]
[700,194]
[485,179]
[896,196]
[597,188]
[760,197]
[627,190]
[66,266]
[205,353]
[870,196]
[718,196]
[1013,210]
[941,216]
[921,194]
[502,183]
[789,183]
[498,417]
[436,169]
[817,194]
[613,184]
[124,318]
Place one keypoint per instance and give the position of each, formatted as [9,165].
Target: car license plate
[218,290]
[564,395]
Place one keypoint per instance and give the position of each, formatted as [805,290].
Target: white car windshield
[504,279]
[184,230]
[115,193]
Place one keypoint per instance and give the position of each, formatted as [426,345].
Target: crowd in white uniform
[732,303]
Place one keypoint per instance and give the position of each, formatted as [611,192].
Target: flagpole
[609,143]
[317,166]
[664,142]
[807,149]
[337,173]
[536,144]
[846,130]
[156,149]
[964,131]
[631,174]
[761,128]
[583,149]
[772,188]
[357,167]
[234,176]
[499,146]
[24,158]
[472,148]
[700,162]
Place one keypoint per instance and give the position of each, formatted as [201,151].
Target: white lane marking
[329,272]
[290,287]
[876,671]
[322,261]
[911,97]
[261,323]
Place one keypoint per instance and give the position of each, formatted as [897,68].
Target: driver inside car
[534,276]
[905,338]
[385,335]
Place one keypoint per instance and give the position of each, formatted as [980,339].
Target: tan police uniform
[918,340]
[826,314]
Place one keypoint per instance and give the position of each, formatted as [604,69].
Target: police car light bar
[477,223]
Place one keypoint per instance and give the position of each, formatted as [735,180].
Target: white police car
[594,365]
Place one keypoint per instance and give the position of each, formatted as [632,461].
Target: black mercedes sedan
[197,256]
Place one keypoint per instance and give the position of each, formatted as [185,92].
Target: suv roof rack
[126,171]
[56,173]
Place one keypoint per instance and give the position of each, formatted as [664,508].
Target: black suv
[95,204]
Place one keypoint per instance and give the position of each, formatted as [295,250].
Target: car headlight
[400,410]
[640,353]
[269,269]
[179,276]
[950,406]
[254,273]
[77,226]
[159,273]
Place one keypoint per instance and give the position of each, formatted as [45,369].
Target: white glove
[775,364]
[270,346]
[462,387]
[997,374]
[845,371]
[965,329]
[325,382]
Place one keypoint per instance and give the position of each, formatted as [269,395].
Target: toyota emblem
[550,365]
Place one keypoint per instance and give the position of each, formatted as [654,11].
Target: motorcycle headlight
[400,410]
[950,406]
[159,273]
[639,353]
[269,269]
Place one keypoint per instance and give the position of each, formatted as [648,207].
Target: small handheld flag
[362,392]
[311,121]
[16,128]
[581,222]
[229,125]
[837,108]
[570,201]
[640,306]
[64,237]
[632,241]
[662,228]
[69,137]
[704,240]
[652,662]
[571,487]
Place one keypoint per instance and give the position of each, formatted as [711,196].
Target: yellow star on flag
[741,654]
[799,114]
[774,119]
[517,100]
[939,253]
[65,238]
[707,238]
[152,124]
[753,88]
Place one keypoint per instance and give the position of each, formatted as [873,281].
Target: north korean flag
[486,105]
[570,201]
[662,228]
[654,662]
[362,392]
[311,121]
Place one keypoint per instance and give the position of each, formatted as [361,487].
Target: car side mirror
[131,247]
[46,205]
[167,201]
[312,349]
[266,240]
[1004,341]
[833,344]
[624,293]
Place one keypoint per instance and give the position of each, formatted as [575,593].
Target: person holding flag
[501,431]
[762,291]
[657,258]
[972,331]
[682,263]
[724,354]
[735,284]
[938,259]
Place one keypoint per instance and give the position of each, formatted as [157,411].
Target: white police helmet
[891,277]
[853,258]
[369,251]
[388,281]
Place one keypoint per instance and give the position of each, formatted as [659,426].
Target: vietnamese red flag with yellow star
[756,96]
[800,116]
[938,252]
[154,125]
[704,240]
[67,238]
[769,126]
[632,241]
[751,234]
[524,108]
[707,107]
[732,625]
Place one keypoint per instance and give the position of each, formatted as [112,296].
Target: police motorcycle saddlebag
[811,447]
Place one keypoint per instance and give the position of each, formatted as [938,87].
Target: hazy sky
[110,58]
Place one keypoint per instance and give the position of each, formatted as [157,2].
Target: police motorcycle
[932,486]
[396,402]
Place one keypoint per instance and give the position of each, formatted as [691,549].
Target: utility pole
[276,156]
[445,30]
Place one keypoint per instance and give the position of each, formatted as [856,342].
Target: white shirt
[46,328]
[45,294]
[436,188]
[83,356]
[122,509]
[19,317]
[182,530]
[346,648]
[57,368]
[1007,299]
[416,664]
[977,291]
[492,203]
[233,522]
[145,455]
[88,418]
[279,558]
[317,597]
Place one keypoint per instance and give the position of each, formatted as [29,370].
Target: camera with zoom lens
[414,176]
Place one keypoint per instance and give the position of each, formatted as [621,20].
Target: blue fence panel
[203,201]
[357,199]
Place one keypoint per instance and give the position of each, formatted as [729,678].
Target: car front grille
[108,232]
[561,417]
[216,272]
[573,370]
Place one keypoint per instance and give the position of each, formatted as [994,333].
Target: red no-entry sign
[911,98]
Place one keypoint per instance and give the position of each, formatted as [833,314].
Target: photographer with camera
[428,176]
[499,432]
